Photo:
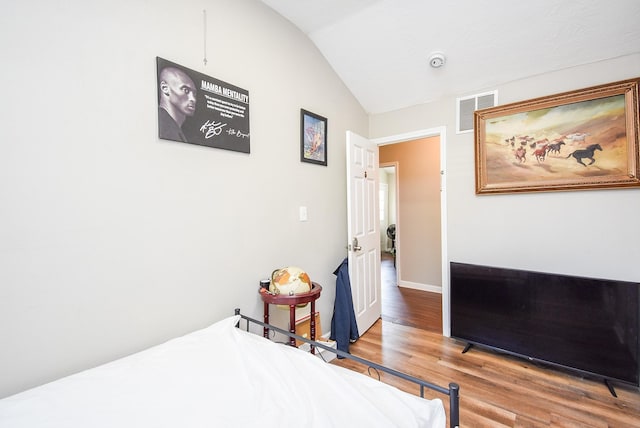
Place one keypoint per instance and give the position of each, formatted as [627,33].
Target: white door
[363,229]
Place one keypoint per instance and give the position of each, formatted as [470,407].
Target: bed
[223,375]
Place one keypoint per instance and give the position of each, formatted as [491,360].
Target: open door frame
[431,132]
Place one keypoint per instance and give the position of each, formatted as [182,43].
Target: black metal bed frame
[453,391]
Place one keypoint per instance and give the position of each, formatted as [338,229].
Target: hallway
[406,306]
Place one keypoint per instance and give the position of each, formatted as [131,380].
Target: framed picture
[584,139]
[313,138]
[211,113]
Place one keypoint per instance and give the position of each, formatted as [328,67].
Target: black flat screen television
[585,324]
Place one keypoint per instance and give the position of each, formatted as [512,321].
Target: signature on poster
[238,134]
[211,129]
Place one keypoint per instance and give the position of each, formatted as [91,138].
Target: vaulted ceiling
[381,48]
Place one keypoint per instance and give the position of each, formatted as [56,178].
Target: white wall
[112,240]
[591,233]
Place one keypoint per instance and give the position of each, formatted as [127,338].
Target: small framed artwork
[578,140]
[313,138]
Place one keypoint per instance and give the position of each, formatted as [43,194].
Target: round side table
[292,302]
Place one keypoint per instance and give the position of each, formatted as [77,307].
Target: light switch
[303,213]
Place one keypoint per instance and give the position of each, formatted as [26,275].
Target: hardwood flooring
[406,306]
[496,390]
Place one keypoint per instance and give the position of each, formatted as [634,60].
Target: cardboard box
[303,328]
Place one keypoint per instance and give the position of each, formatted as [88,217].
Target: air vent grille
[466,106]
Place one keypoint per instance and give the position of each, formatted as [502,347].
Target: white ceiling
[381,48]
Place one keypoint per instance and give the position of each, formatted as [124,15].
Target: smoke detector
[437,59]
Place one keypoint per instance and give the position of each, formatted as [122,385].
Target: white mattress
[219,376]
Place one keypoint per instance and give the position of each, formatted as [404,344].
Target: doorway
[388,203]
[412,250]
[393,308]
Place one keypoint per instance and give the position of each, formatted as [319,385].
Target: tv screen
[585,324]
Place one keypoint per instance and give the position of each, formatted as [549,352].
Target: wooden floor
[496,390]
[406,306]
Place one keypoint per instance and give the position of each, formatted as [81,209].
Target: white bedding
[219,376]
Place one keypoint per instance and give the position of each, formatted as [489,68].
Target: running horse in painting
[585,153]
[555,147]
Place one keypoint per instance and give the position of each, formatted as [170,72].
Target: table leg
[312,325]
[265,330]
[292,324]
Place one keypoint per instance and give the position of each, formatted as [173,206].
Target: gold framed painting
[583,139]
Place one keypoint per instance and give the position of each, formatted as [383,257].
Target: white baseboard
[422,287]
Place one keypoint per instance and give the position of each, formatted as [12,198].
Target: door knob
[355,246]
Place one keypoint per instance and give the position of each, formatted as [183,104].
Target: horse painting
[585,153]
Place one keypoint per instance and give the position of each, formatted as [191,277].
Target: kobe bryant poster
[198,109]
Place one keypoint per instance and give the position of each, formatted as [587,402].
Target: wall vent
[465,107]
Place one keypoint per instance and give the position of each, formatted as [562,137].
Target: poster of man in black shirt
[198,109]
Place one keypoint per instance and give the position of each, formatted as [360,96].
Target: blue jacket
[343,323]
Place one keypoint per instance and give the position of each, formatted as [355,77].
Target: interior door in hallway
[363,229]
